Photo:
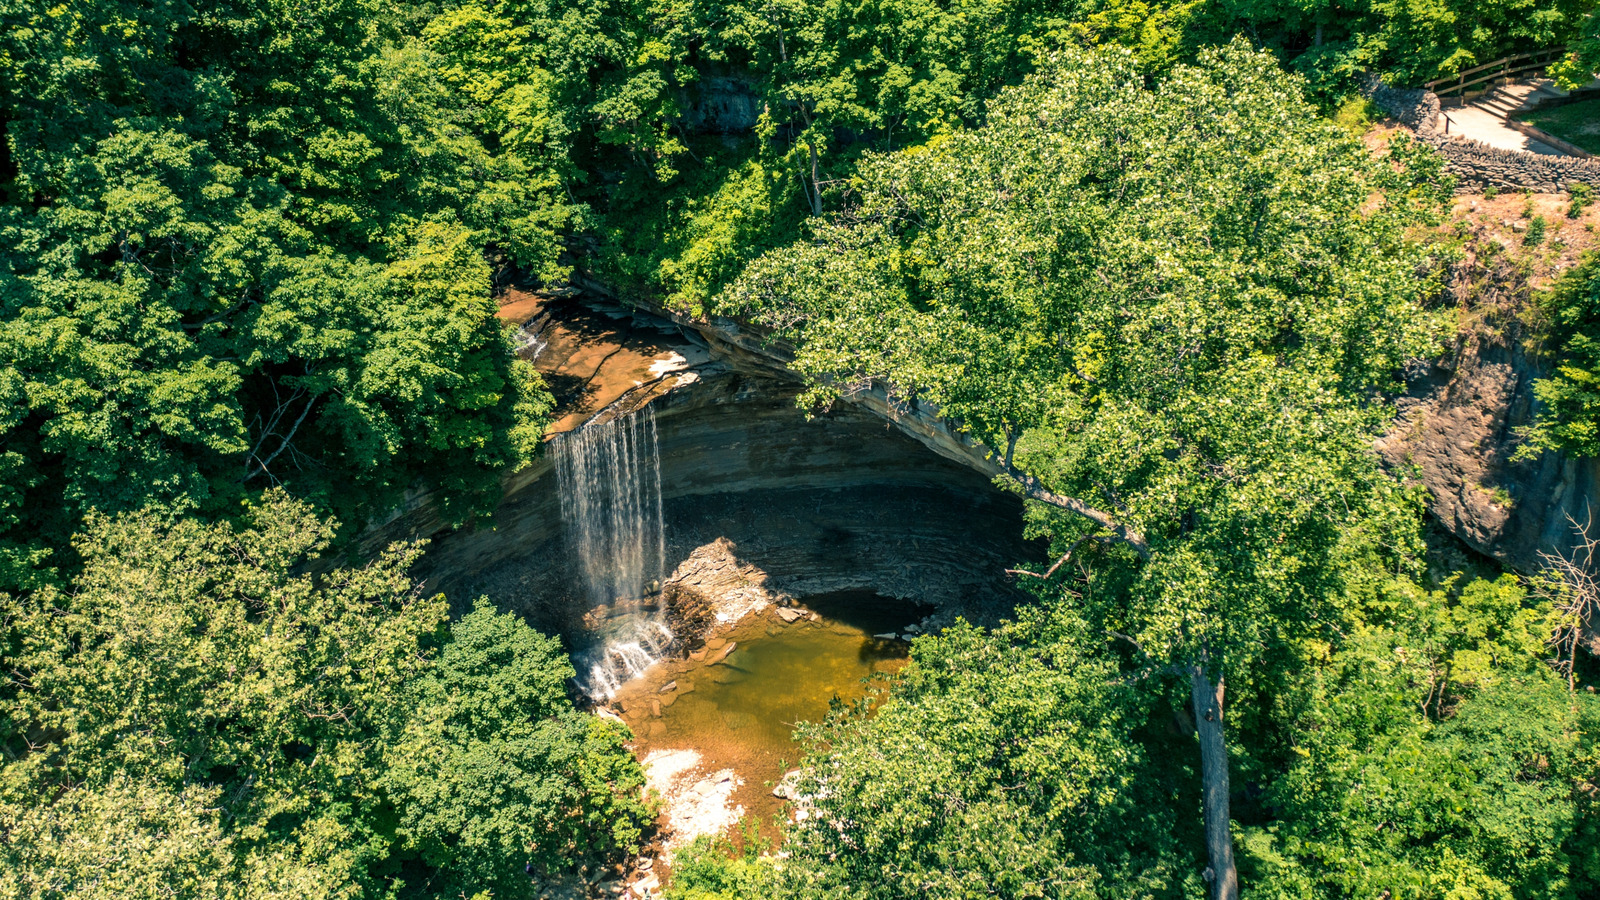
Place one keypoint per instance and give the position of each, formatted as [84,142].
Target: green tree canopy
[1568,416]
[1004,764]
[239,247]
[1165,311]
[1435,753]
[280,733]
[1582,63]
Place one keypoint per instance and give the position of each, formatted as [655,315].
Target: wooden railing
[1520,64]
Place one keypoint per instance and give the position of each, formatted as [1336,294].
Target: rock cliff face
[760,503]
[1457,427]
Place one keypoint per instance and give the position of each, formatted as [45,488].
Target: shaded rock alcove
[760,503]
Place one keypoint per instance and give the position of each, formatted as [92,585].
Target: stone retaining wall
[1477,165]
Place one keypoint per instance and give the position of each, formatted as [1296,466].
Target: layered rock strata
[762,505]
[1458,430]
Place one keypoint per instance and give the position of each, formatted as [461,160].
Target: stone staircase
[1508,99]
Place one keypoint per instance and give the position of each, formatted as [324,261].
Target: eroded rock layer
[761,503]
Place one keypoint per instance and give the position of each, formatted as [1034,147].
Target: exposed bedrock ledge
[750,349]
[1457,425]
[761,503]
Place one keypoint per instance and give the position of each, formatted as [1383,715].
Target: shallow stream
[736,709]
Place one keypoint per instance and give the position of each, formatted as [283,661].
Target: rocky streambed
[715,728]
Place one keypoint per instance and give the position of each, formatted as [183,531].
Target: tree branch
[263,463]
[1052,570]
[1034,489]
[1570,582]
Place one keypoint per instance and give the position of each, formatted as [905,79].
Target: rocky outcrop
[1457,431]
[721,103]
[762,504]
[753,351]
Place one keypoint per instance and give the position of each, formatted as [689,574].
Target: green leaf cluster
[1171,304]
[1567,418]
[202,714]
[1434,753]
[243,246]
[1408,43]
[1005,764]
[1430,752]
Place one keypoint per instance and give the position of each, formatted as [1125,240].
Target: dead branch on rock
[1569,582]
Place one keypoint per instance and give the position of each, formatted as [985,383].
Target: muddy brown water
[739,710]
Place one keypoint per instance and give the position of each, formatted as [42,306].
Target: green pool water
[739,710]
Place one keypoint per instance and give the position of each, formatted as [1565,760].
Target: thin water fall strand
[610,479]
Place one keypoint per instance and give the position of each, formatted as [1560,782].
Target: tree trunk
[815,195]
[1207,701]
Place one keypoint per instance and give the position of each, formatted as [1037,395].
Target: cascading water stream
[530,344]
[610,478]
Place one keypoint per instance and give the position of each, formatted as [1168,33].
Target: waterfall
[610,480]
[530,344]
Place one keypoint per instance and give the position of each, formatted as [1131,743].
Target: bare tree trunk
[1207,701]
[816,187]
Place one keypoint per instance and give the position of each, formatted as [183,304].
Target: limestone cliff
[1457,426]
[760,501]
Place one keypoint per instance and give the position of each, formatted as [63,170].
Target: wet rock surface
[761,504]
[719,747]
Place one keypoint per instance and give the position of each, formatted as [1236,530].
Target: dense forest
[249,251]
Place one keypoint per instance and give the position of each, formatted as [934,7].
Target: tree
[199,692]
[497,771]
[125,839]
[1568,417]
[1434,753]
[1002,764]
[244,246]
[1334,44]
[1582,62]
[1164,311]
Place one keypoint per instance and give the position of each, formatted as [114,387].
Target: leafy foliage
[1583,59]
[1568,419]
[243,246]
[496,767]
[1167,302]
[1004,764]
[1435,754]
[659,116]
[713,869]
[273,732]
[1409,43]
